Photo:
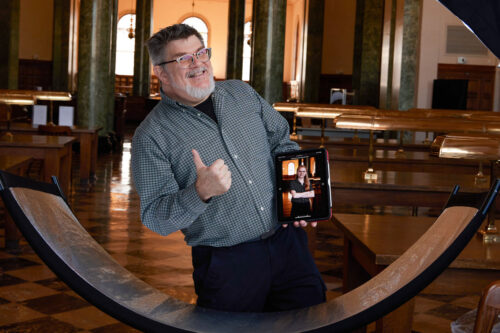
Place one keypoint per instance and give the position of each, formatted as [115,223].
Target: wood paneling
[35,73]
[481,83]
[328,81]
[124,83]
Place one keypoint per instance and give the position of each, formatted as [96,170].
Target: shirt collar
[218,91]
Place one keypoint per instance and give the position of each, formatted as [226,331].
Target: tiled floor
[32,299]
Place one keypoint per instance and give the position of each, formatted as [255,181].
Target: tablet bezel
[322,160]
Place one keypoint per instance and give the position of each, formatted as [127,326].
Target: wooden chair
[485,318]
[43,215]
[488,308]
[54,130]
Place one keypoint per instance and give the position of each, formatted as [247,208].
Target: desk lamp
[474,147]
[289,107]
[51,96]
[14,99]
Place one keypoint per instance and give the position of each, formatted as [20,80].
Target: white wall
[435,19]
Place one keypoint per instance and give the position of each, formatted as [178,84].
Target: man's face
[189,85]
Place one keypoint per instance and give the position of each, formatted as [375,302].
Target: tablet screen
[303,185]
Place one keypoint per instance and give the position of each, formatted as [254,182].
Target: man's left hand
[301,223]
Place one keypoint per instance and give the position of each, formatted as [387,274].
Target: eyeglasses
[186,60]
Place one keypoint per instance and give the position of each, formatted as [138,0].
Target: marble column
[60,44]
[409,58]
[143,26]
[9,44]
[387,59]
[367,51]
[268,43]
[236,23]
[112,60]
[312,50]
[94,64]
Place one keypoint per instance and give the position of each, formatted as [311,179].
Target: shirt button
[235,156]
[199,114]
[250,181]
[262,208]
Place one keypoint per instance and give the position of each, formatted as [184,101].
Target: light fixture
[17,99]
[478,147]
[13,99]
[131,34]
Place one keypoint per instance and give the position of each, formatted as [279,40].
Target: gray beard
[200,93]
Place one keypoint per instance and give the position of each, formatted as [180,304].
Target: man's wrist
[203,197]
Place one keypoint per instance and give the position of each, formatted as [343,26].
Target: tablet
[303,186]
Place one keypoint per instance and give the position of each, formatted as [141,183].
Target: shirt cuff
[192,202]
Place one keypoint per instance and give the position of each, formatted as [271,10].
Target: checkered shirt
[248,134]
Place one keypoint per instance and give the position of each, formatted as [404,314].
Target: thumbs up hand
[211,180]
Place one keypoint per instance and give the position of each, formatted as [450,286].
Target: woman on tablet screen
[301,191]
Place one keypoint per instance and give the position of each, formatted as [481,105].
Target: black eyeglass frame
[196,54]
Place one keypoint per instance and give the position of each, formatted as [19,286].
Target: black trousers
[274,274]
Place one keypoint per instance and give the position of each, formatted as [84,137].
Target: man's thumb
[198,163]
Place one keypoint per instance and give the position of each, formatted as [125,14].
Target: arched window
[125,46]
[199,25]
[291,169]
[247,51]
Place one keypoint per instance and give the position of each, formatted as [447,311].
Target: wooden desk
[311,141]
[15,165]
[398,188]
[372,242]
[88,139]
[55,151]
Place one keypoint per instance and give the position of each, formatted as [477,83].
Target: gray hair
[158,42]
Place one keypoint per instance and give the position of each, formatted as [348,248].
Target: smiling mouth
[196,72]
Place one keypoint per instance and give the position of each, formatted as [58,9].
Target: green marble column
[312,50]
[9,44]
[367,51]
[60,45]
[143,26]
[268,43]
[236,23]
[387,56]
[409,61]
[112,61]
[94,64]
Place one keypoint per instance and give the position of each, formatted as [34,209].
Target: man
[202,162]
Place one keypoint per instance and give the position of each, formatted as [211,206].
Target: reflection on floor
[32,299]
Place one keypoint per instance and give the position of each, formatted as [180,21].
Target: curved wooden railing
[59,239]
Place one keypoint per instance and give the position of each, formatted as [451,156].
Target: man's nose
[196,61]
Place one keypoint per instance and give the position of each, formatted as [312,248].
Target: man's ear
[161,73]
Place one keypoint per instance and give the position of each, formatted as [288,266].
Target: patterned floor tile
[54,283]
[423,304]
[14,263]
[448,311]
[11,313]
[86,318]
[45,324]
[425,323]
[55,303]
[8,280]
[38,272]
[24,291]
[115,328]
[469,302]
